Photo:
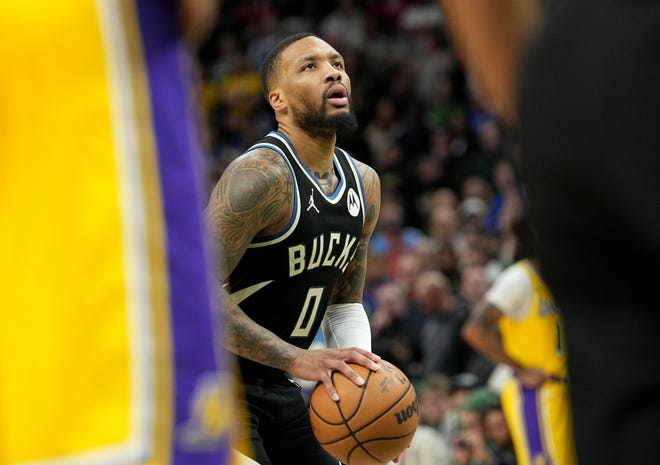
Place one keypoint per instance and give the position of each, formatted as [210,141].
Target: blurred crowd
[451,193]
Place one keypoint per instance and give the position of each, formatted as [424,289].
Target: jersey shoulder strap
[277,142]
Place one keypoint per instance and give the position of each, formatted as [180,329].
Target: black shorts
[274,426]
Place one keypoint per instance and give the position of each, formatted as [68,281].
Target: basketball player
[294,215]
[107,337]
[591,174]
[517,324]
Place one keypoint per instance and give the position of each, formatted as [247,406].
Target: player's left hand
[318,365]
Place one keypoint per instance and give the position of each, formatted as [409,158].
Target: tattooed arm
[254,197]
[481,331]
[350,285]
[345,322]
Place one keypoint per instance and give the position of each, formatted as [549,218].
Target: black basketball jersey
[284,282]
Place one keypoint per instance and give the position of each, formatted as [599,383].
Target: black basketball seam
[388,409]
[323,419]
[388,438]
[332,377]
[346,420]
[362,393]
[361,446]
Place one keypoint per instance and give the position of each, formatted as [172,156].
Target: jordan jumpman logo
[311,202]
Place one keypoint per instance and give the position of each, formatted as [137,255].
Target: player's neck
[315,150]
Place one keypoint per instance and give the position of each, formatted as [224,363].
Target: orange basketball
[370,424]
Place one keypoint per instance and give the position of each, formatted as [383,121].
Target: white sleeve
[346,325]
[512,292]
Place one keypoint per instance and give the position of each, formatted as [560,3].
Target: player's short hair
[272,60]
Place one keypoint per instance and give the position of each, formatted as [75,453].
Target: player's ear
[277,99]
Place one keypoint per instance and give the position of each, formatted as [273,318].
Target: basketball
[370,424]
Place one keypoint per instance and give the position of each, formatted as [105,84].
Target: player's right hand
[318,365]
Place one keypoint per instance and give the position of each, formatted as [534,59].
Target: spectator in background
[392,237]
[474,247]
[388,14]
[426,251]
[447,262]
[434,400]
[391,166]
[408,269]
[444,197]
[462,143]
[262,21]
[239,89]
[375,276]
[508,202]
[481,158]
[428,56]
[382,130]
[476,186]
[441,346]
[460,389]
[238,99]
[469,443]
[394,329]
[472,213]
[444,225]
[381,51]
[344,27]
[426,150]
[473,284]
[498,436]
[482,436]
[424,176]
[444,102]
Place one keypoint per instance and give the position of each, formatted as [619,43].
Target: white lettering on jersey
[331,243]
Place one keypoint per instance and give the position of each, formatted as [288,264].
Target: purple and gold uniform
[531,330]
[107,346]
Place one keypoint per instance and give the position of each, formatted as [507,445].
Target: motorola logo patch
[353,202]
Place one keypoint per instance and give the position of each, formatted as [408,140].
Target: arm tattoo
[250,340]
[254,193]
[350,286]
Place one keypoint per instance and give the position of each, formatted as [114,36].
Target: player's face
[317,88]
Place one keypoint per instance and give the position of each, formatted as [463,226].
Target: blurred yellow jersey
[107,344]
[531,331]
